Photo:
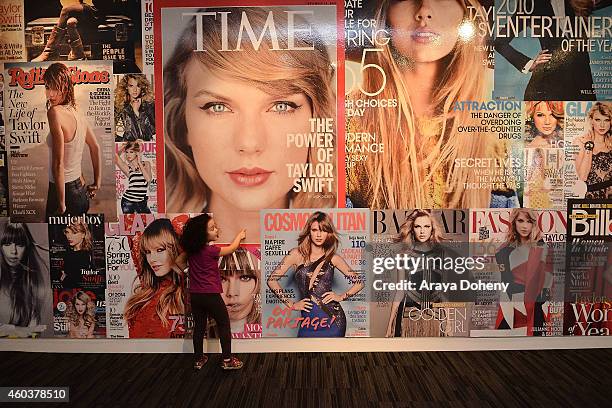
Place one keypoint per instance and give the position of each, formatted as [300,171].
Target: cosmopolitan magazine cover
[314,273]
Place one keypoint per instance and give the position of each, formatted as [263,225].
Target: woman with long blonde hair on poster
[229,117]
[544,124]
[81,315]
[594,160]
[134,109]
[315,261]
[434,59]
[159,294]
[413,313]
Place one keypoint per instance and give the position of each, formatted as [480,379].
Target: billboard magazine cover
[274,143]
[85,108]
[314,272]
[588,286]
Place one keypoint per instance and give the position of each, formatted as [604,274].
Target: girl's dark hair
[195,234]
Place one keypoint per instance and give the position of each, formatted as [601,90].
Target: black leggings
[202,306]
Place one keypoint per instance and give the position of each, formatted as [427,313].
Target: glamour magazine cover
[146,289]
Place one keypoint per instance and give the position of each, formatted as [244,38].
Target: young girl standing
[205,285]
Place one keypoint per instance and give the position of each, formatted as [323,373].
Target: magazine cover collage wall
[367,129]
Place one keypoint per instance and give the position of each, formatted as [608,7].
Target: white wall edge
[271,345]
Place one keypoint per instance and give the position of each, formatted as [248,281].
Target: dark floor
[577,378]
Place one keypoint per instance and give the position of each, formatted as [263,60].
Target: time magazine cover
[523,250]
[39,121]
[78,275]
[588,287]
[420,233]
[315,273]
[236,138]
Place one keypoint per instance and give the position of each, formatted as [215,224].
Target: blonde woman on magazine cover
[522,260]
[159,293]
[544,126]
[594,160]
[134,109]
[429,67]
[81,314]
[139,174]
[315,261]
[412,312]
[228,117]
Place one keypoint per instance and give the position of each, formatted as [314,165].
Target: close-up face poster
[414,168]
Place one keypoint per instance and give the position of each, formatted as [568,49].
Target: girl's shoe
[232,364]
[200,363]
